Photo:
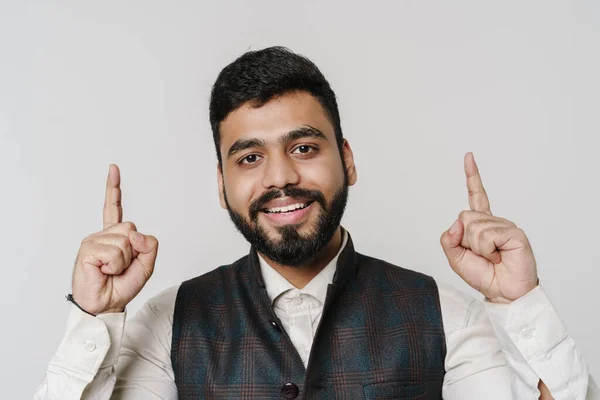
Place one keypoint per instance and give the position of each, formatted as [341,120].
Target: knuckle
[130,226]
[95,251]
[485,234]
[118,252]
[89,238]
[114,252]
[464,215]
[101,247]
[469,229]
[480,225]
[489,233]
[520,234]
[473,227]
[504,221]
[507,221]
[122,241]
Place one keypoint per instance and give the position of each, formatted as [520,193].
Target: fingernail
[138,236]
[454,228]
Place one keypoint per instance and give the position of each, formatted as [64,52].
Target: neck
[301,275]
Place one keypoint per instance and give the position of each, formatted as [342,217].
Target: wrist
[113,311]
[94,313]
[498,300]
[70,298]
[504,300]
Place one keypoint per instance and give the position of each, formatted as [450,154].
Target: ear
[221,187]
[349,161]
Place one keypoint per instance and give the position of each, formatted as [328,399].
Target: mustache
[310,195]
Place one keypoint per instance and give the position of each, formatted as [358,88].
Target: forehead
[276,117]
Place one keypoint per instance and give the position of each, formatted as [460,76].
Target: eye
[303,149]
[249,159]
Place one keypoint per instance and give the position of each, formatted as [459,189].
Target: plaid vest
[380,336]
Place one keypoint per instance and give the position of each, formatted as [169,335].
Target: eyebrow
[302,132]
[243,144]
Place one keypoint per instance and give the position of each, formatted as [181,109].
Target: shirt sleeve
[144,370]
[538,346]
[475,365]
[104,358]
[499,352]
[87,352]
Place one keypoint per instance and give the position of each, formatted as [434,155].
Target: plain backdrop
[420,83]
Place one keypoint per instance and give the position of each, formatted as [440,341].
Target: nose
[280,172]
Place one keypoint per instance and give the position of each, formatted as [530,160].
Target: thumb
[450,242]
[146,246]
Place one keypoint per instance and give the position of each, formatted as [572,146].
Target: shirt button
[290,390]
[89,346]
[527,333]
[297,301]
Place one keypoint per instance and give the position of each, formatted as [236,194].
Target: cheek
[327,176]
[240,193]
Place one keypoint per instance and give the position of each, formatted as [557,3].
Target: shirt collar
[275,284]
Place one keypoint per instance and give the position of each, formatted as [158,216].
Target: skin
[277,163]
[114,264]
[490,253]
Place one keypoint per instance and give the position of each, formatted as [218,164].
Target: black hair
[261,75]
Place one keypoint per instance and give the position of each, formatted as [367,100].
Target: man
[304,315]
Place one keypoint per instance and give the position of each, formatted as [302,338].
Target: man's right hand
[113,265]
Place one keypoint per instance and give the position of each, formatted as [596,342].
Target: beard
[292,248]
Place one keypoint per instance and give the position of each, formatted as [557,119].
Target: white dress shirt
[494,351]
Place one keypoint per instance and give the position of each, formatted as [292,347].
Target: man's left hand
[490,253]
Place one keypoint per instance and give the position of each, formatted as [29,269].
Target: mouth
[294,213]
[287,209]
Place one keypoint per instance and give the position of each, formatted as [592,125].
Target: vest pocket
[395,391]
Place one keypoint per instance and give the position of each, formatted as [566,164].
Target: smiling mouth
[287,209]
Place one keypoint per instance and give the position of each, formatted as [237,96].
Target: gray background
[420,83]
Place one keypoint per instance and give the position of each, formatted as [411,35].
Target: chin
[303,229]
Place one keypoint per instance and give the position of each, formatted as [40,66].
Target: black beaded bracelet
[70,298]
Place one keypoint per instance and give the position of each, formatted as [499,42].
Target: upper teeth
[287,208]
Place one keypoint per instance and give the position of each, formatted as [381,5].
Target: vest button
[275,325]
[290,390]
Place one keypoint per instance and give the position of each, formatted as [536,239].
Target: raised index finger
[478,199]
[113,212]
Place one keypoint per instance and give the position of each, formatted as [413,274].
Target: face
[283,180]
